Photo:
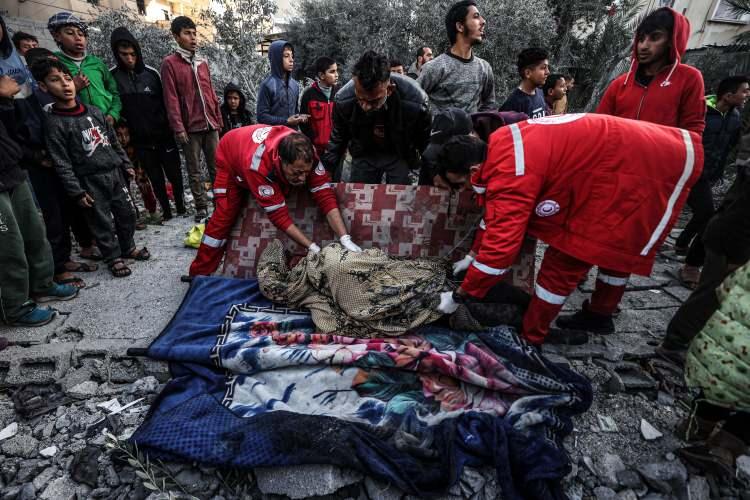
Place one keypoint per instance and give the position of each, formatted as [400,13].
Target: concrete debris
[607,424]
[604,493]
[83,390]
[665,477]
[48,452]
[21,445]
[649,432]
[743,469]
[609,466]
[304,480]
[698,488]
[9,431]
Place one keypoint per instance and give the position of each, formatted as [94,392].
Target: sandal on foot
[119,269]
[80,267]
[94,255]
[74,281]
[688,279]
[141,254]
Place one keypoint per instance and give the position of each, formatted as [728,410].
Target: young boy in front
[94,83]
[533,67]
[91,166]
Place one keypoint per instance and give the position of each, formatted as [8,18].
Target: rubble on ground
[65,419]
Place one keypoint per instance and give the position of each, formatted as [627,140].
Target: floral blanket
[255,385]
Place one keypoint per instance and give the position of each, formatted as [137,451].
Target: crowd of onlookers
[74,133]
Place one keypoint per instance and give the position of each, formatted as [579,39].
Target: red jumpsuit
[247,159]
[600,190]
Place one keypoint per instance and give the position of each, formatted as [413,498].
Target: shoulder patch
[547,208]
[266,191]
[259,135]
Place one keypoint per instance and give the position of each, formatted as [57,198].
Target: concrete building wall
[711,21]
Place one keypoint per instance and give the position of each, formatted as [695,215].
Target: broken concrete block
[75,377]
[303,481]
[649,432]
[608,468]
[62,488]
[607,424]
[665,477]
[629,377]
[48,452]
[9,431]
[627,495]
[698,488]
[743,469]
[604,493]
[22,445]
[84,390]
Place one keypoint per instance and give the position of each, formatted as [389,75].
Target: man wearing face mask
[268,162]
[384,121]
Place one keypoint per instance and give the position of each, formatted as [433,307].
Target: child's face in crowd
[60,86]
[123,136]
[233,101]
[72,40]
[187,39]
[288,60]
[25,45]
[128,57]
[538,74]
[559,90]
[738,98]
[330,77]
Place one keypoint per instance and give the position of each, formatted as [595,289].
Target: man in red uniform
[268,162]
[658,88]
[599,190]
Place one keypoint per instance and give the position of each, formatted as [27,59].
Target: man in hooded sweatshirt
[234,112]
[143,108]
[279,92]
[658,88]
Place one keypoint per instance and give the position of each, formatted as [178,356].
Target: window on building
[724,12]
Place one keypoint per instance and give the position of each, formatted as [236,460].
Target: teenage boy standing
[658,88]
[554,90]
[279,92]
[533,66]
[192,107]
[458,78]
[317,102]
[95,85]
[143,109]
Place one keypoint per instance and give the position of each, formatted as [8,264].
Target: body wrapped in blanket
[370,293]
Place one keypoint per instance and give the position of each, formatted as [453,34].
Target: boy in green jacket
[95,85]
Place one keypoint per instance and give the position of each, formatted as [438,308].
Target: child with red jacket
[317,101]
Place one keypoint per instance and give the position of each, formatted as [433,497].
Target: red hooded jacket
[602,189]
[674,97]
[250,155]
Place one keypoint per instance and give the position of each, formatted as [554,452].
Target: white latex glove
[462,265]
[314,248]
[447,304]
[347,242]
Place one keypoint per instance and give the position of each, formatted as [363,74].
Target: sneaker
[674,356]
[57,292]
[200,214]
[38,316]
[564,336]
[589,321]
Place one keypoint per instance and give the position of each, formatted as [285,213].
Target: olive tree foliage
[233,54]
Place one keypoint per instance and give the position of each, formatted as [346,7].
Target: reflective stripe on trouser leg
[609,289]
[558,277]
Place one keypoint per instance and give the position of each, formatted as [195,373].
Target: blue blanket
[254,385]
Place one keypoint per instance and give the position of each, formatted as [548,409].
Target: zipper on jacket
[640,104]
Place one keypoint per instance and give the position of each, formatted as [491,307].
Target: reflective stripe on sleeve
[518,149]
[611,280]
[257,157]
[488,270]
[320,188]
[220,191]
[273,208]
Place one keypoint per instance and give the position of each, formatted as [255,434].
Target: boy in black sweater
[91,166]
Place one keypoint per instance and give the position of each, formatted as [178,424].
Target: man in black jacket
[143,108]
[383,119]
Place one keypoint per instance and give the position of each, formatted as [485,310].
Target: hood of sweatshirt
[122,34]
[231,87]
[680,37]
[276,57]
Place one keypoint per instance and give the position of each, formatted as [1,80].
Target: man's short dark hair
[43,67]
[180,23]
[18,36]
[372,69]
[457,14]
[121,123]
[660,19]
[552,81]
[460,153]
[295,147]
[530,57]
[322,64]
[731,84]
[395,63]
[421,51]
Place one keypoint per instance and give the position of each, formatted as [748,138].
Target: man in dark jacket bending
[383,119]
